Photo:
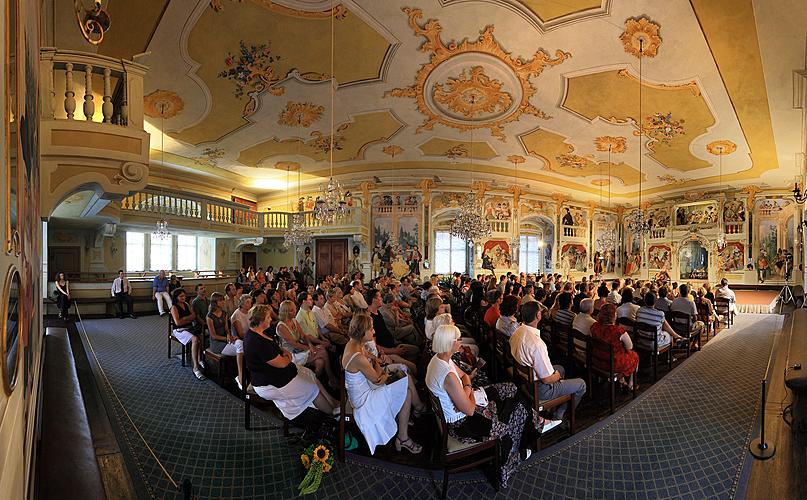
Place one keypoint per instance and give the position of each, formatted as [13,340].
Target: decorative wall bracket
[92,19]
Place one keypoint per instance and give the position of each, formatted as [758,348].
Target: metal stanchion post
[758,447]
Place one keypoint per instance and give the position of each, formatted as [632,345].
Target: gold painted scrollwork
[92,19]
[131,172]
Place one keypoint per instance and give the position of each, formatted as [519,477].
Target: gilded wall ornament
[92,19]
[616,144]
[514,75]
[644,29]
[662,128]
[300,114]
[721,148]
[472,93]
[163,104]
[392,150]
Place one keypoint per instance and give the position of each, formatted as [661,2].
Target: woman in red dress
[626,361]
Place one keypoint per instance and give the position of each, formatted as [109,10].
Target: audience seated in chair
[385,340]
[685,304]
[274,375]
[529,350]
[563,311]
[724,292]
[655,317]
[382,399]
[184,330]
[583,320]
[222,339]
[469,414]
[159,289]
[627,309]
[305,350]
[626,361]
[328,326]
[507,322]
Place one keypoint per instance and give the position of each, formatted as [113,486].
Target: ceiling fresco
[448,87]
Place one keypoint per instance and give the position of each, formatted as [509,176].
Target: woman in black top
[291,387]
[62,294]
[183,317]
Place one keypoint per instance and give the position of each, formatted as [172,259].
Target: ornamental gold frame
[10,385]
[12,235]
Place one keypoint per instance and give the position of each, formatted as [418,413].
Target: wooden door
[65,260]
[249,259]
[331,256]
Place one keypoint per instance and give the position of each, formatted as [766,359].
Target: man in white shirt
[328,326]
[529,350]
[615,297]
[121,290]
[357,297]
[724,292]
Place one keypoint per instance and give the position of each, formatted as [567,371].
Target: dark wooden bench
[67,465]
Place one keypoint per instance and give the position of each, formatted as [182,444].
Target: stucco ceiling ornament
[392,150]
[338,11]
[571,160]
[662,128]
[472,93]
[209,157]
[513,77]
[637,29]
[669,179]
[721,148]
[455,152]
[163,104]
[300,114]
[616,144]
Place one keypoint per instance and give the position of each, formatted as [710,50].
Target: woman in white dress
[381,407]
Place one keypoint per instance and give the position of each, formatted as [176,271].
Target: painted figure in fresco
[487,263]
[308,267]
[762,265]
[610,261]
[598,263]
[662,276]
[414,262]
[386,256]
[354,265]
[567,220]
[680,217]
[375,261]
[779,262]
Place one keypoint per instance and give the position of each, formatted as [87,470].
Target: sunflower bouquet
[317,459]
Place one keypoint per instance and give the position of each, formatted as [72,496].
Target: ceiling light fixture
[161,231]
[296,233]
[515,240]
[721,235]
[331,205]
[638,222]
[606,240]
[469,224]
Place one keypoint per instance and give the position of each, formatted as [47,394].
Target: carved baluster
[89,105]
[69,94]
[106,108]
[124,106]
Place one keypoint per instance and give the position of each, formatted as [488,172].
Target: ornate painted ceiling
[575,96]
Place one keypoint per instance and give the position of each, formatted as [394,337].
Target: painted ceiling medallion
[473,93]
[162,104]
[210,157]
[252,71]
[637,29]
[300,114]
[616,144]
[516,159]
[392,150]
[458,151]
[470,101]
[571,160]
[323,143]
[291,166]
[662,128]
[721,147]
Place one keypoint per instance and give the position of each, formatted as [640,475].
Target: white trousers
[167,297]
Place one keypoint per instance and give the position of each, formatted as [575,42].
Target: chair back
[646,337]
[722,305]
[579,347]
[680,322]
[602,357]
[561,337]
[627,323]
[526,375]
[441,425]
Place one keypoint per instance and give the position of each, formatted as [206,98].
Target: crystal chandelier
[331,205]
[469,224]
[296,234]
[721,235]
[515,241]
[607,239]
[639,222]
[161,231]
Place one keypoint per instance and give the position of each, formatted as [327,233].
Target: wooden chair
[171,338]
[562,341]
[703,315]
[249,396]
[647,341]
[345,417]
[628,324]
[503,356]
[601,363]
[681,323]
[455,456]
[723,309]
[579,355]
[530,386]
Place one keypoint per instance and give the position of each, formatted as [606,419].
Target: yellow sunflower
[326,467]
[321,454]
[304,459]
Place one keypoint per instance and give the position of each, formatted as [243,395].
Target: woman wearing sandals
[292,388]
[183,316]
[381,406]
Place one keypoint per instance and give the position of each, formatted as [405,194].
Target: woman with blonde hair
[382,401]
[304,349]
[292,387]
[473,415]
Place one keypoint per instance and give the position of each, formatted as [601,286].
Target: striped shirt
[564,316]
